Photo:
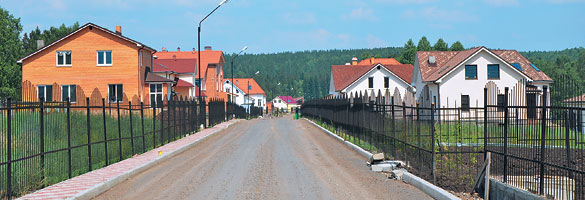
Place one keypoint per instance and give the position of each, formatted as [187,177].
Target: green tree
[10,52]
[457,46]
[407,56]
[441,45]
[424,44]
[581,65]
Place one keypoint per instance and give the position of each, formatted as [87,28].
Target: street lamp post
[248,93]
[232,95]
[199,46]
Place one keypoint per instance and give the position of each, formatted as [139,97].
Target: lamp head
[257,72]
[245,48]
[222,2]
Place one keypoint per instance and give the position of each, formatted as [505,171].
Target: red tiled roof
[287,99]
[446,61]
[182,83]
[344,75]
[577,99]
[242,83]
[175,65]
[207,57]
[383,61]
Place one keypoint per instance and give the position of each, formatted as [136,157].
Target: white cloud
[502,2]
[300,18]
[437,14]
[374,42]
[361,14]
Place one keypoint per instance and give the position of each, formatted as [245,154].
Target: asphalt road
[264,159]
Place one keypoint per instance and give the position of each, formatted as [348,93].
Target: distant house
[182,71]
[370,75]
[247,92]
[576,116]
[93,59]
[211,70]
[285,103]
[300,100]
[458,78]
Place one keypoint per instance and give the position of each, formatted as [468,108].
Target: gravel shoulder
[277,158]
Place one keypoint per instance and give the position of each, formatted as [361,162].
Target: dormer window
[63,58]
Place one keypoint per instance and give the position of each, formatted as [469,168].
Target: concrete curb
[426,187]
[102,187]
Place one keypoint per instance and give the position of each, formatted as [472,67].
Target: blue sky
[295,25]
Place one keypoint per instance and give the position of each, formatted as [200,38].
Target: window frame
[386,82]
[371,82]
[63,98]
[44,92]
[118,99]
[465,105]
[64,58]
[97,57]
[465,71]
[488,71]
[501,102]
[155,93]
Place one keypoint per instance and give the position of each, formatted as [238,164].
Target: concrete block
[397,173]
[382,167]
[378,157]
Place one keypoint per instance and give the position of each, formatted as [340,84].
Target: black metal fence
[42,143]
[538,147]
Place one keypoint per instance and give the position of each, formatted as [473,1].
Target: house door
[531,105]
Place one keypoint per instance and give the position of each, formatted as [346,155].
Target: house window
[198,82]
[371,82]
[493,71]
[464,102]
[501,102]
[156,95]
[45,92]
[470,71]
[63,58]
[386,82]
[104,58]
[115,93]
[69,91]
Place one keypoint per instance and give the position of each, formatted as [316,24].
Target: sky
[297,25]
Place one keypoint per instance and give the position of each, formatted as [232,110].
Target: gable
[345,75]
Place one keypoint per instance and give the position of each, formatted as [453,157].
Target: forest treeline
[303,73]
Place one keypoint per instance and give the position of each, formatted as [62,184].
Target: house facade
[285,103]
[247,92]
[371,76]
[211,70]
[92,59]
[182,72]
[458,78]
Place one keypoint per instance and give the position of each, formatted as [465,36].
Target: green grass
[28,175]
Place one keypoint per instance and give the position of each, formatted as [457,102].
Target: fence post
[433,142]
[170,101]
[485,122]
[506,123]
[404,126]
[88,134]
[153,124]
[119,129]
[69,136]
[42,138]
[542,137]
[142,121]
[105,131]
[568,143]
[9,148]
[418,135]
[131,127]
[393,130]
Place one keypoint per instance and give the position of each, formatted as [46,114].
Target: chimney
[354,61]
[164,49]
[40,44]
[432,59]
[174,57]
[193,48]
[119,30]
[372,60]
[208,48]
[178,48]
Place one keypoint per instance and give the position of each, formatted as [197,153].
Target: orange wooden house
[93,61]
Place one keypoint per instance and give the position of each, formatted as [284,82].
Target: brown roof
[344,75]
[207,57]
[242,83]
[150,78]
[577,99]
[448,60]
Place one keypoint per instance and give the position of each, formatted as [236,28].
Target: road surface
[264,159]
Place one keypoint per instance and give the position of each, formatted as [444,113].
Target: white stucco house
[284,103]
[458,78]
[246,93]
[370,75]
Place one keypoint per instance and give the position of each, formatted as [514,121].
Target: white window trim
[62,98]
[161,93]
[97,57]
[116,101]
[65,59]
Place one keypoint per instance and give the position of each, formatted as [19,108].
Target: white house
[284,103]
[456,78]
[246,92]
[370,75]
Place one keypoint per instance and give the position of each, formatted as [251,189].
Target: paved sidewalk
[69,188]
